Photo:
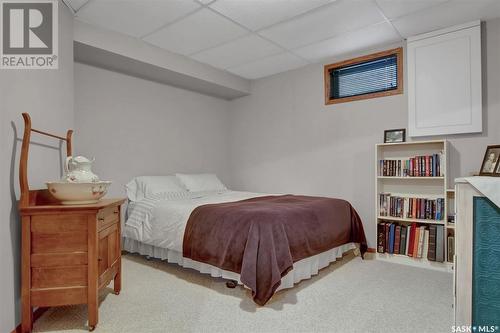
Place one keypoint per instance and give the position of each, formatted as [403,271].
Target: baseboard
[36,314]
[371,250]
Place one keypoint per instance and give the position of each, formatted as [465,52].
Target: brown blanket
[260,238]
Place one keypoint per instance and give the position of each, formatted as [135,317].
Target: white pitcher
[79,170]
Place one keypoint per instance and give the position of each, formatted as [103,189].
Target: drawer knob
[99,259]
[101,219]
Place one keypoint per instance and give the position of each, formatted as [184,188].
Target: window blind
[368,77]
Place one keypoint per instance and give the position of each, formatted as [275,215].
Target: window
[375,75]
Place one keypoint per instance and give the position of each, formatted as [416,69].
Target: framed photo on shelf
[395,135]
[491,162]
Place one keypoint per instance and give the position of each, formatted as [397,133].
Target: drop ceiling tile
[268,66]
[135,18]
[363,39]
[240,51]
[335,19]
[76,4]
[396,8]
[257,14]
[446,15]
[196,32]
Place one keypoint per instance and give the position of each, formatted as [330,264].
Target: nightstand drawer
[58,234]
[107,217]
[58,277]
[63,242]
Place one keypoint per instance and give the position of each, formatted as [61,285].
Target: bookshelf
[410,184]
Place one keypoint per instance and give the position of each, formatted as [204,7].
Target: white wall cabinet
[444,81]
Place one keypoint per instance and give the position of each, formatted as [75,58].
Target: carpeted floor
[351,295]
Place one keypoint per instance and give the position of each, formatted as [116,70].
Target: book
[387,227]
[439,209]
[426,244]
[397,238]
[451,248]
[440,159]
[413,213]
[420,248]
[381,238]
[434,165]
[416,241]
[439,243]
[431,253]
[406,207]
[412,240]
[402,241]
[408,231]
[391,238]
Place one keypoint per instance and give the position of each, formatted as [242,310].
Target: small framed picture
[395,135]
[491,162]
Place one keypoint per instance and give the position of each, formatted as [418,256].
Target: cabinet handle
[99,259]
[115,212]
[101,219]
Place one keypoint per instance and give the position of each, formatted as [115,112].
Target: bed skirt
[302,269]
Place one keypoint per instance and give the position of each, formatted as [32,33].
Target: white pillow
[201,182]
[155,187]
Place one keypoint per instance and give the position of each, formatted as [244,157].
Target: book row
[415,241]
[406,207]
[419,166]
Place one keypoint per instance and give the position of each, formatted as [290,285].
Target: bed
[265,242]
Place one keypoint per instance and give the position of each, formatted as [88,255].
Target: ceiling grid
[258,38]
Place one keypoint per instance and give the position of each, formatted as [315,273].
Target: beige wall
[284,139]
[137,127]
[48,96]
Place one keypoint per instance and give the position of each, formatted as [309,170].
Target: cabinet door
[109,254]
[444,81]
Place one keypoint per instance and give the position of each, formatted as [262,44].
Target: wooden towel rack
[31,197]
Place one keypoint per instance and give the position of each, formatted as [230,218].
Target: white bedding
[161,223]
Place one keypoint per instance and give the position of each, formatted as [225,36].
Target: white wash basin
[78,193]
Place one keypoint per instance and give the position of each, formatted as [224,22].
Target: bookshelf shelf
[432,188]
[410,220]
[423,263]
[410,143]
[411,178]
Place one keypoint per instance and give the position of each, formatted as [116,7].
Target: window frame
[399,90]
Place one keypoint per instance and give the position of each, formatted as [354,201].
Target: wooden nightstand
[69,253]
